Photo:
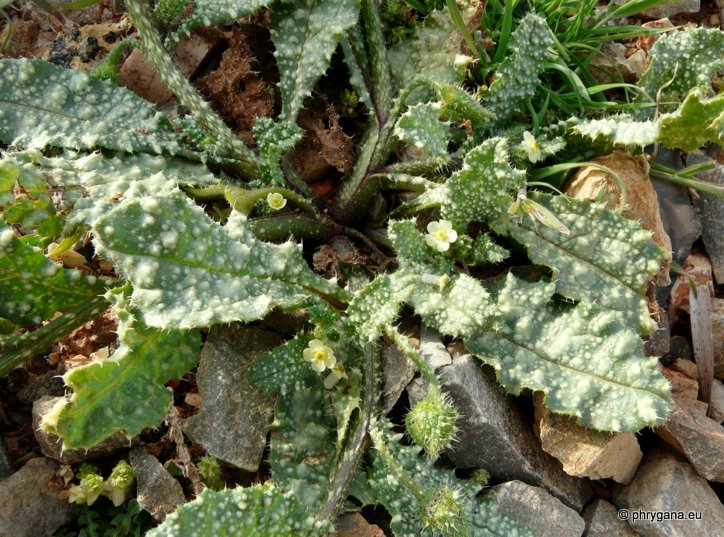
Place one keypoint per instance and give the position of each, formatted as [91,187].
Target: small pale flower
[276,201]
[439,281]
[531,147]
[440,235]
[320,355]
[336,374]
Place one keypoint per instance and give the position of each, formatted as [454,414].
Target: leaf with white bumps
[420,127]
[189,271]
[619,130]
[516,79]
[683,60]
[606,259]
[43,105]
[697,121]
[484,187]
[274,141]
[125,392]
[33,288]
[584,359]
[378,303]
[215,12]
[261,510]
[306,34]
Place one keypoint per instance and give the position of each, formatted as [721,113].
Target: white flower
[321,356]
[440,235]
[276,201]
[531,147]
[336,374]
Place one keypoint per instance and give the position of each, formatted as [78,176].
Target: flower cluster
[322,357]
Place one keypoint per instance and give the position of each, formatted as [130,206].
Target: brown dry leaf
[76,348]
[701,337]
[23,38]
[643,205]
[698,268]
[235,89]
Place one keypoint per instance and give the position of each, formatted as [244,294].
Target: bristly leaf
[43,105]
[215,12]
[33,288]
[619,130]
[126,391]
[483,188]
[379,303]
[517,76]
[274,141]
[584,359]
[282,369]
[420,127]
[687,59]
[306,34]
[697,121]
[606,259]
[242,512]
[188,271]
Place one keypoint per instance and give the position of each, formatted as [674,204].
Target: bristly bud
[442,512]
[431,423]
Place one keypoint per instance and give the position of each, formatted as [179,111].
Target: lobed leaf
[420,127]
[125,392]
[619,130]
[43,105]
[188,271]
[696,122]
[242,512]
[379,303]
[306,34]
[33,288]
[274,141]
[583,358]
[215,12]
[606,259]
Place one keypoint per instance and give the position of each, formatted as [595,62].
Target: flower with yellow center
[320,355]
[531,147]
[440,235]
[335,375]
[276,201]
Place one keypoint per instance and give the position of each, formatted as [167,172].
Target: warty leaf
[215,12]
[420,127]
[696,122]
[189,271]
[583,358]
[43,105]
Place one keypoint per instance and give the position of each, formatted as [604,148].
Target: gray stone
[712,215]
[657,344]
[432,349]
[602,520]
[533,507]
[31,503]
[493,433]
[51,445]
[234,418]
[663,484]
[157,492]
[397,372]
[671,8]
[7,467]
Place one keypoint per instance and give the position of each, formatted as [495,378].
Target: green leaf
[483,188]
[33,288]
[694,55]
[43,105]
[188,271]
[583,358]
[420,127]
[379,303]
[242,512]
[606,259]
[620,130]
[697,122]
[516,79]
[283,369]
[125,392]
[306,34]
[459,106]
[215,12]
[274,141]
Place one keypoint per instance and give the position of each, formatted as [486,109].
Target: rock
[698,437]
[234,418]
[51,445]
[712,214]
[157,492]
[533,507]
[642,205]
[684,388]
[665,485]
[716,405]
[612,63]
[717,334]
[7,467]
[657,343]
[50,384]
[31,501]
[354,525]
[494,435]
[397,372]
[432,349]
[585,452]
[671,8]
[602,521]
